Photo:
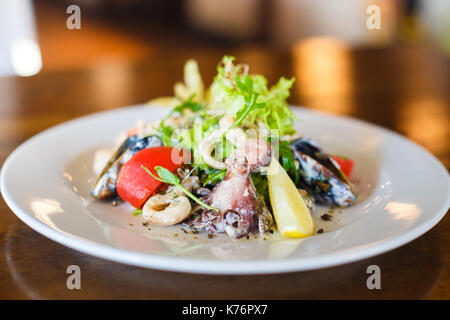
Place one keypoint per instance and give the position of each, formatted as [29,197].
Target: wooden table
[405,89]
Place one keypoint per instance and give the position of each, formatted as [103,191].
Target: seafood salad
[225,160]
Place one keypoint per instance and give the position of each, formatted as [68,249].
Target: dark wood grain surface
[405,89]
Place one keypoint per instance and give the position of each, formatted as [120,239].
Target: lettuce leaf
[230,90]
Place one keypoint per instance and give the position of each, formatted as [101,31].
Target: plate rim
[204,266]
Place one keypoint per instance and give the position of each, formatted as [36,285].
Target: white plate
[403,191]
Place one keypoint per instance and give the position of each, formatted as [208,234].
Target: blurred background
[134,29]
[129,51]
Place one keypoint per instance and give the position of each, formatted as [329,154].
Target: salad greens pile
[250,96]
[234,92]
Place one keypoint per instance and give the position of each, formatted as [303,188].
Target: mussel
[105,185]
[321,176]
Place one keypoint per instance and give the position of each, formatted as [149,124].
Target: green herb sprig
[215,177]
[188,104]
[250,97]
[168,177]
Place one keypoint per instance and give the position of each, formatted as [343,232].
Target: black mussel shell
[321,177]
[105,186]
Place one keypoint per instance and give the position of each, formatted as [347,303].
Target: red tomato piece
[134,184]
[345,164]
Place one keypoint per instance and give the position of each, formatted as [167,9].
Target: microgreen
[188,104]
[250,97]
[168,177]
[215,177]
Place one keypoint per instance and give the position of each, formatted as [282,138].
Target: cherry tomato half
[345,163]
[134,184]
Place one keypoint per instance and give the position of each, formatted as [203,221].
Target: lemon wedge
[292,216]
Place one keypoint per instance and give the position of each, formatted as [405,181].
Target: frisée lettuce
[230,88]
